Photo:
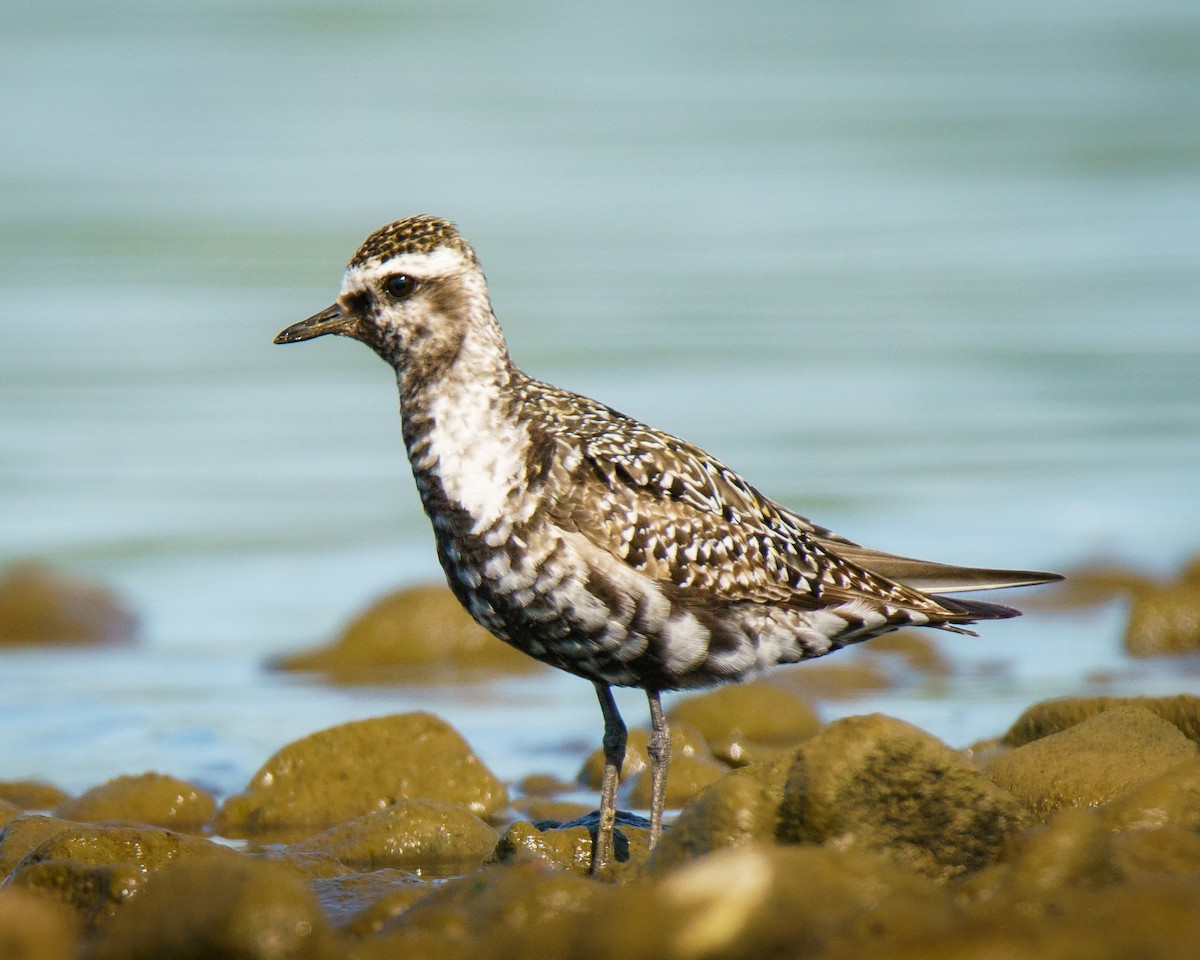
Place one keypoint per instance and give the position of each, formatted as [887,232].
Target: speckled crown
[420,234]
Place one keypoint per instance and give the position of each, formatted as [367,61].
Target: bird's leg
[659,752]
[614,757]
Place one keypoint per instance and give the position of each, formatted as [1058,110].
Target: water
[927,272]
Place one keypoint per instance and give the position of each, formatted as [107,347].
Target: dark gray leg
[659,751]
[614,757]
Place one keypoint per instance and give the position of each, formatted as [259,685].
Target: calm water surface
[928,272]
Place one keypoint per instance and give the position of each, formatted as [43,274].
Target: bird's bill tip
[332,319]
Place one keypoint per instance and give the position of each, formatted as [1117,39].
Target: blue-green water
[927,272]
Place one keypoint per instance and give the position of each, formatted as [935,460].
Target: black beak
[330,320]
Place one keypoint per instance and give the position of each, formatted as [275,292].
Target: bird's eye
[399,285]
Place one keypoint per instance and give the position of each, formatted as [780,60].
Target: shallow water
[929,275]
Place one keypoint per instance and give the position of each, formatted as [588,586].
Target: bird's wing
[670,511]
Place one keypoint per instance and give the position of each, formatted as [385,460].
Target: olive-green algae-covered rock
[31,794]
[1093,761]
[686,777]
[878,784]
[415,634]
[33,927]
[356,768]
[568,846]
[146,848]
[371,906]
[753,902]
[240,909]
[1170,799]
[8,811]
[522,910]
[22,834]
[1053,716]
[686,741]
[41,606]
[94,892]
[152,798]
[430,837]
[742,807]
[1165,619]
[739,720]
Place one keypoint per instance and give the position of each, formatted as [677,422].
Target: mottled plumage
[592,541]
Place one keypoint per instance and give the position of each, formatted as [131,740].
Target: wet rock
[1166,619]
[568,846]
[835,680]
[1170,799]
[429,837]
[382,902]
[94,892]
[41,606]
[1053,716]
[8,811]
[356,768]
[543,785]
[686,777]
[415,634]
[32,794]
[524,910]
[542,808]
[742,807]
[877,784]
[211,909]
[918,651]
[1093,761]
[753,902]
[33,927]
[151,798]
[743,722]
[686,741]
[22,834]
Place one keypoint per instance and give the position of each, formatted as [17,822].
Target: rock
[686,777]
[842,679]
[384,905]
[146,848]
[1089,586]
[739,720]
[213,909]
[568,846]
[742,807]
[1170,799]
[94,892]
[32,794]
[752,902]
[415,634]
[686,741]
[543,785]
[1165,619]
[877,784]
[33,927]
[356,768]
[1053,716]
[8,811]
[522,910]
[541,808]
[428,837]
[1093,761]
[918,650]
[151,798]
[39,606]
[21,834]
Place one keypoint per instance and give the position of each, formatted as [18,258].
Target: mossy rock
[568,846]
[1053,716]
[686,741]
[1165,619]
[35,927]
[39,606]
[739,720]
[32,794]
[1093,761]
[357,768]
[199,910]
[428,837]
[416,634]
[152,798]
[877,784]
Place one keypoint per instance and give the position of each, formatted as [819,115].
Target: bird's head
[410,293]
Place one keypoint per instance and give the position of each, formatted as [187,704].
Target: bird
[594,542]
